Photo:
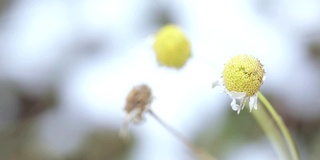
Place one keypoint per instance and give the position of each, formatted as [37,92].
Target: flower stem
[284,130]
[271,131]
[198,151]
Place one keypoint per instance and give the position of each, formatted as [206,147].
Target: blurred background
[66,67]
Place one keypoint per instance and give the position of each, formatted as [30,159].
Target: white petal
[243,102]
[237,95]
[215,84]
[264,78]
[131,116]
[239,111]
[123,134]
[219,82]
[234,105]
[219,85]
[253,102]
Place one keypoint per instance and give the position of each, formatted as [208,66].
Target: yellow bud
[243,73]
[172,47]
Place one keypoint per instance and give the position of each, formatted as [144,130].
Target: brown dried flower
[138,101]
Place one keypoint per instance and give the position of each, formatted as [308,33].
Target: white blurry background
[90,53]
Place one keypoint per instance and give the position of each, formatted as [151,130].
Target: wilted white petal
[253,102]
[124,131]
[243,102]
[237,95]
[219,85]
[219,82]
[264,78]
[238,112]
[132,116]
[215,84]
[234,105]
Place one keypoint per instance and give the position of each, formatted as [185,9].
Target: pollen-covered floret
[171,46]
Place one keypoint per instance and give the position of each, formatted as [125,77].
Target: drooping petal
[234,105]
[253,102]
[133,116]
[219,84]
[237,95]
[243,102]
[215,84]
[123,134]
[264,78]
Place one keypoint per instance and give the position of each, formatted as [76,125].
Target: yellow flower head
[172,47]
[241,79]
[243,73]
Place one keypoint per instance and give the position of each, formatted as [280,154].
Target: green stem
[287,136]
[271,131]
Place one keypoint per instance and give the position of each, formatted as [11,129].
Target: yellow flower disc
[172,47]
[243,73]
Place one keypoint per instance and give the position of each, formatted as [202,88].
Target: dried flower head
[138,101]
[172,47]
[242,78]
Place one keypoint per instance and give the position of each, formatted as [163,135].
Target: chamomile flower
[138,102]
[241,79]
[171,46]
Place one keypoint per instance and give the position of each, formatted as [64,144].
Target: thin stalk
[198,151]
[271,131]
[284,130]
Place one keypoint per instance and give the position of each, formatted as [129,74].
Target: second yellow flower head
[172,47]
